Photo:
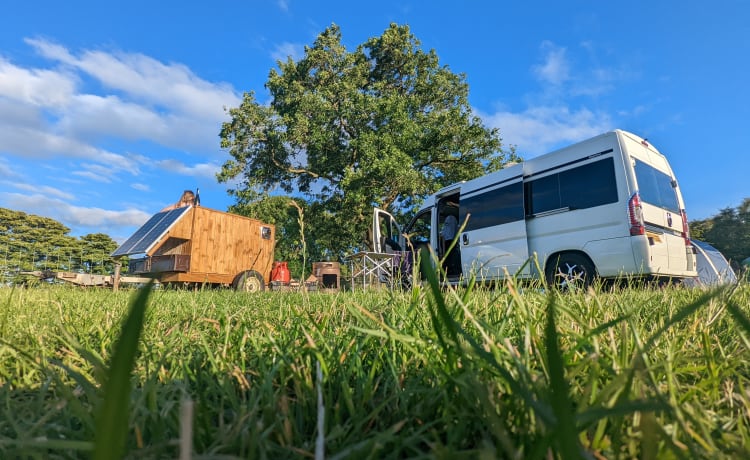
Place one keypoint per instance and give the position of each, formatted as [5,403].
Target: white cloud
[75,216]
[110,115]
[538,130]
[143,98]
[564,109]
[204,170]
[37,87]
[173,86]
[33,142]
[92,176]
[283,51]
[90,117]
[44,189]
[7,171]
[140,187]
[555,69]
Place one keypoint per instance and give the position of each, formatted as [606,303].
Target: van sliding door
[493,242]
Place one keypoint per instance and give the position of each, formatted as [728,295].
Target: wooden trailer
[197,245]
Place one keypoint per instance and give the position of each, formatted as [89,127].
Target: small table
[367,265]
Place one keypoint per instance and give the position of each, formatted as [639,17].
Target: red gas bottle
[280,273]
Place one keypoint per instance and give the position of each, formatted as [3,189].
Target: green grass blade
[562,406]
[742,320]
[681,315]
[112,420]
[442,319]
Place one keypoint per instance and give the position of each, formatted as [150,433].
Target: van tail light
[685,228]
[635,216]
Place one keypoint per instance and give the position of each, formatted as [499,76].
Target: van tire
[569,270]
[249,281]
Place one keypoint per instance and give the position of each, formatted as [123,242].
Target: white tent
[713,267]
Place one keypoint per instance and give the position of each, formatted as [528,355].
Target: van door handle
[465,239]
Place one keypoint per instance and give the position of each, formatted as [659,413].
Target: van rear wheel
[569,271]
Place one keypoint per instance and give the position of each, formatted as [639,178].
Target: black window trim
[485,189]
[579,160]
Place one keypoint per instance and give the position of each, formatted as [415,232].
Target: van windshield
[655,187]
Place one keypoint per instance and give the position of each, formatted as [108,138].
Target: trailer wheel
[569,271]
[249,281]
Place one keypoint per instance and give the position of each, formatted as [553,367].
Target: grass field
[473,373]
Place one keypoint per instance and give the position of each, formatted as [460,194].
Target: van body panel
[562,232]
[612,257]
[642,255]
[492,252]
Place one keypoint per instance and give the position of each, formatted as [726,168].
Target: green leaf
[562,406]
[112,420]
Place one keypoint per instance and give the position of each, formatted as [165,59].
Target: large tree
[29,242]
[383,125]
[96,249]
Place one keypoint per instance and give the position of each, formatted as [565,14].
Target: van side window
[655,187]
[496,207]
[586,186]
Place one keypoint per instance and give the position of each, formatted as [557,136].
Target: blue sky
[108,111]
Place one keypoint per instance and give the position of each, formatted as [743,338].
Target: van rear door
[662,215]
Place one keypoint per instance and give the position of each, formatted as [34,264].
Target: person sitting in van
[447,234]
[450,226]
[187,199]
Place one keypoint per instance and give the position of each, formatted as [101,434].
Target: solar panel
[150,232]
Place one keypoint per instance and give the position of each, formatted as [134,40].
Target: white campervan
[607,207]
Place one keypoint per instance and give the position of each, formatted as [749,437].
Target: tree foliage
[383,125]
[29,242]
[728,231]
[95,251]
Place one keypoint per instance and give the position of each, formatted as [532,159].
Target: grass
[510,372]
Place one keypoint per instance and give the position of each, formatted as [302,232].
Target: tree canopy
[384,125]
[29,242]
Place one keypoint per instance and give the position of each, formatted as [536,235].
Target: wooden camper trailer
[199,245]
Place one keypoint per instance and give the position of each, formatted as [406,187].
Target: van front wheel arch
[569,270]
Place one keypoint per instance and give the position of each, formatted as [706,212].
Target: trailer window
[496,207]
[586,186]
[655,187]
